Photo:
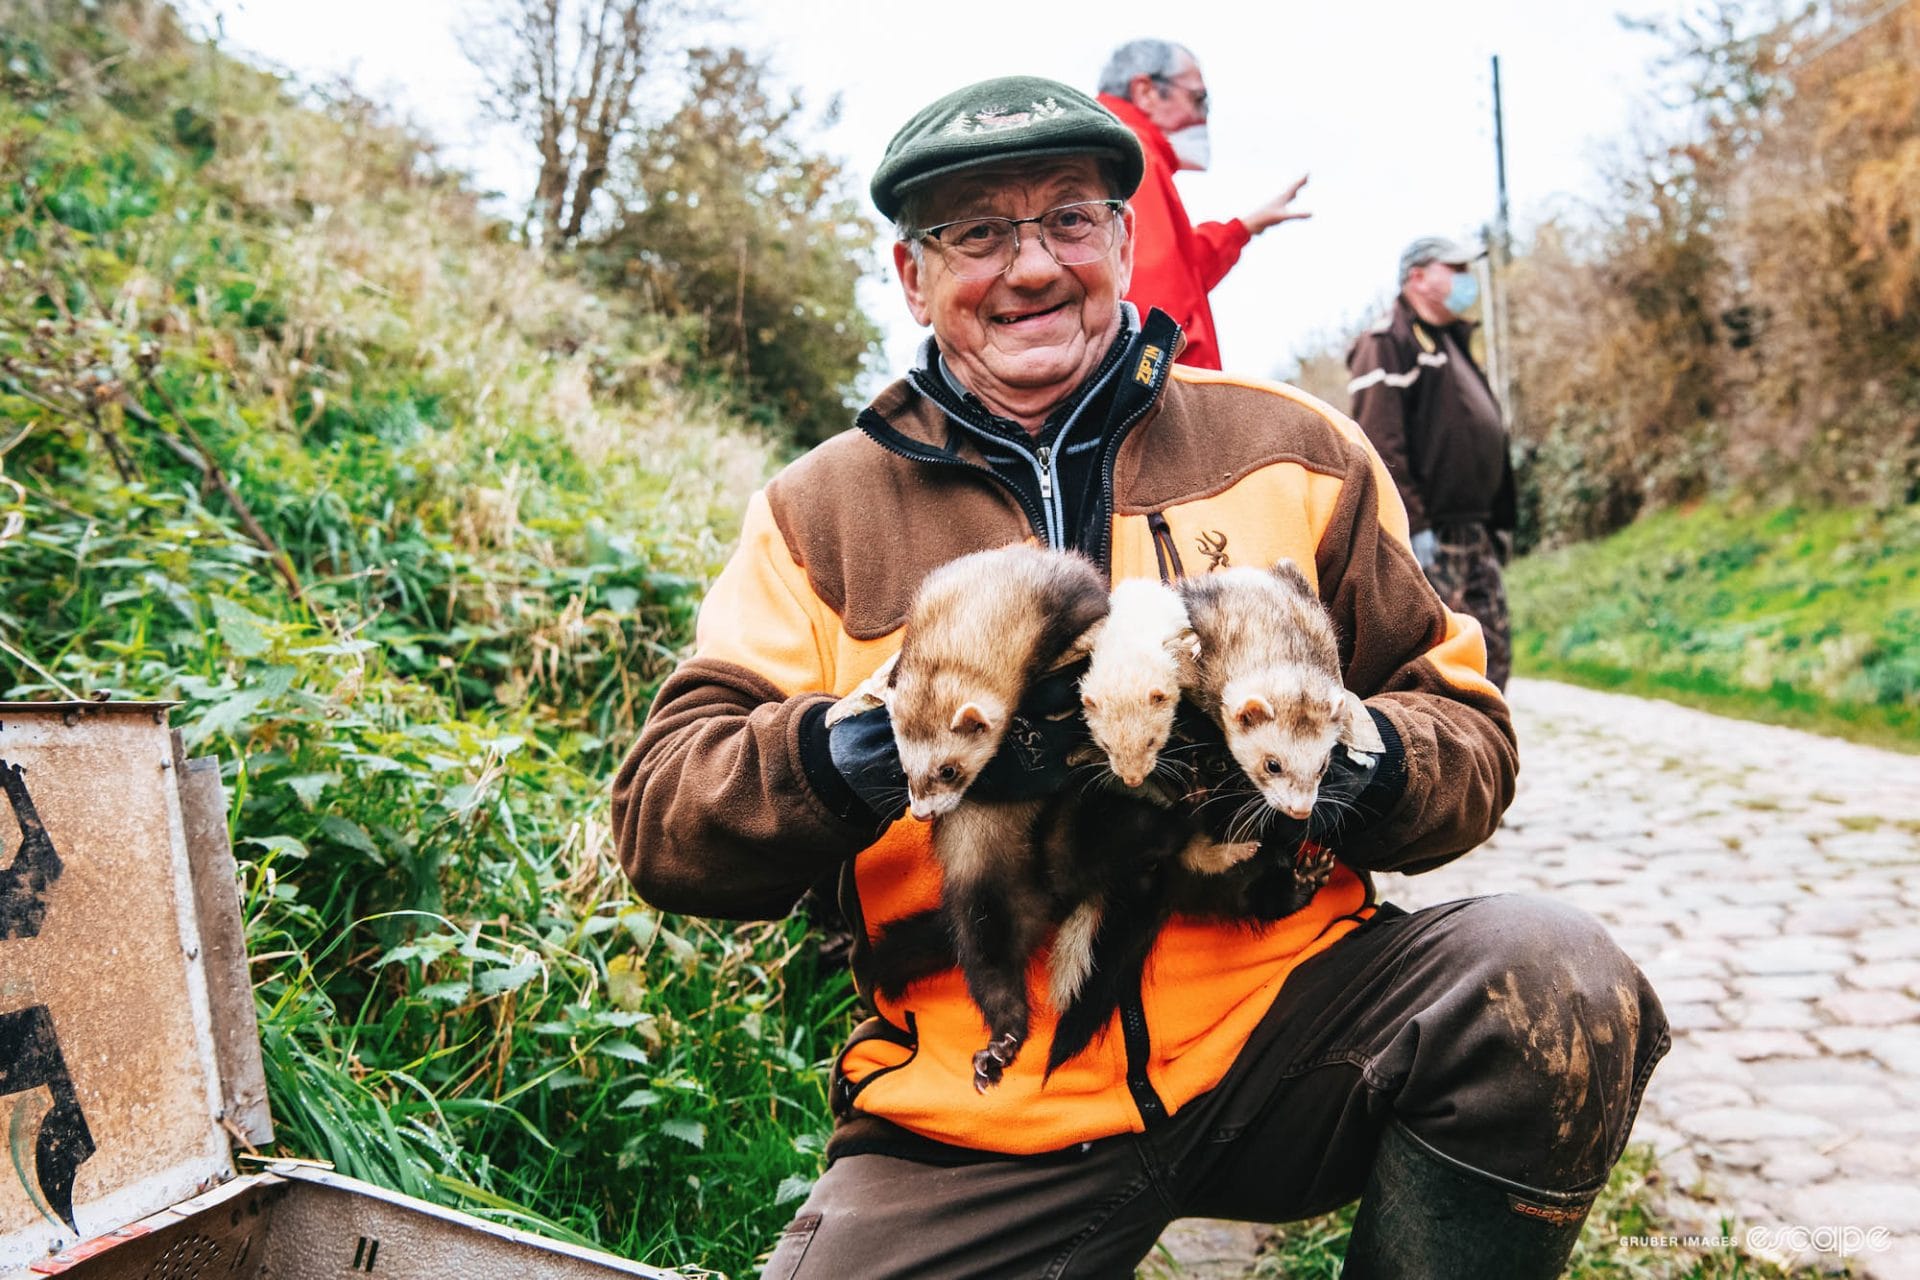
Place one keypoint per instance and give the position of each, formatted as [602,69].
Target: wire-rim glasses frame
[986,247]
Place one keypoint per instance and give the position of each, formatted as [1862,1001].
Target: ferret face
[1142,658]
[944,743]
[1130,725]
[1283,736]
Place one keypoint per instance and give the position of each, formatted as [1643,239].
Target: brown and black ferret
[980,631]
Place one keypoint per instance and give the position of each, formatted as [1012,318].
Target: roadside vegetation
[411,520]
[1716,405]
[1800,616]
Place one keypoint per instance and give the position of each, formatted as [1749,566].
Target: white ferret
[1145,655]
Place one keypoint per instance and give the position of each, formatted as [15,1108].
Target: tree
[569,74]
[730,223]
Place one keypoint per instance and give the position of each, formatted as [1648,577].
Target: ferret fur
[1145,655]
[981,629]
[1270,677]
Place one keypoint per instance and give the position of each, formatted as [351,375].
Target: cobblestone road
[1767,881]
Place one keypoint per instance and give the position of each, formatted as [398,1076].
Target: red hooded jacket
[1175,262]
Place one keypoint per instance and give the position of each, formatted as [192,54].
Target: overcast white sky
[1388,105]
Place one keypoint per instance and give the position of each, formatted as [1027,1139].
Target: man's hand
[1276,210]
[1045,730]
[1360,786]
[1347,776]
[863,753]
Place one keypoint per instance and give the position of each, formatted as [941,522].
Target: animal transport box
[129,1055]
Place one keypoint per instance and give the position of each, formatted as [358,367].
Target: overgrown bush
[412,527]
[728,222]
[1744,315]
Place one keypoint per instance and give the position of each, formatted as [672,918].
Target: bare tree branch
[569,74]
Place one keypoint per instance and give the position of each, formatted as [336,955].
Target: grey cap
[1440,249]
[1009,118]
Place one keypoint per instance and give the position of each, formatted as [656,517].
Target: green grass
[1808,618]
[500,505]
[1626,1210]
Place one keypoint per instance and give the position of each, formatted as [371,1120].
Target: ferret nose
[1133,779]
[1298,811]
[922,810]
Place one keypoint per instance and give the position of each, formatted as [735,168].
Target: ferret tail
[1117,959]
[909,950]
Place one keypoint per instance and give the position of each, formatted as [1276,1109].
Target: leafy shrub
[412,527]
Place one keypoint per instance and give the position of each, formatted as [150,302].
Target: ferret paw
[991,1062]
[1203,856]
[1311,871]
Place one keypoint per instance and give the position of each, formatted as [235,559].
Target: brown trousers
[1509,1033]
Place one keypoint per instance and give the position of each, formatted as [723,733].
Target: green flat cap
[1010,118]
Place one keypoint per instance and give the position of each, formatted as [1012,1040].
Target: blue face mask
[1464,293]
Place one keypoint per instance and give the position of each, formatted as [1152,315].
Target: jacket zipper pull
[1046,471]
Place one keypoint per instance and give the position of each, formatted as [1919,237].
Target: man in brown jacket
[1427,407]
[1471,1071]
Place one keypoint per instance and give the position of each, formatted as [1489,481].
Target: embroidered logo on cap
[995,119]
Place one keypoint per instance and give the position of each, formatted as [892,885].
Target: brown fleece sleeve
[713,812]
[1421,667]
[1380,407]
[716,810]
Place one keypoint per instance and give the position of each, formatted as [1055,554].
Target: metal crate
[129,1053]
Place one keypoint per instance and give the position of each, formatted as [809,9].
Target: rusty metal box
[129,1053]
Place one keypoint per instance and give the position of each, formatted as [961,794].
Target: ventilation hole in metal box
[191,1258]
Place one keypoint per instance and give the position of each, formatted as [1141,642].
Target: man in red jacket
[1156,89]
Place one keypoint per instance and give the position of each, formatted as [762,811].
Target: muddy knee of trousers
[1530,1060]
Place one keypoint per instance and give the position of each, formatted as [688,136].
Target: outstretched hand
[1044,732]
[1277,210]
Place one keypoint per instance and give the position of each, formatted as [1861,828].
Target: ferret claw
[991,1062]
[1314,870]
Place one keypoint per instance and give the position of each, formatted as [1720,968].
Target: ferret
[1270,678]
[1098,871]
[981,629]
[1145,655]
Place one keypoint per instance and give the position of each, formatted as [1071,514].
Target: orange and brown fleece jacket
[727,807]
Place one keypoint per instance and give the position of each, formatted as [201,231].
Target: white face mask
[1191,146]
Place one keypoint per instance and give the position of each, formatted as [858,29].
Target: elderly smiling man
[1469,1071]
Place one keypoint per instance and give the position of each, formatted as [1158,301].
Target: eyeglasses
[1072,234]
[1197,96]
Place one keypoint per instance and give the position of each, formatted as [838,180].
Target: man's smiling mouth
[1028,315]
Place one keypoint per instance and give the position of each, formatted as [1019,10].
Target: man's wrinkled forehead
[990,189]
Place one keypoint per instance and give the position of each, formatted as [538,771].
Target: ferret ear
[1253,712]
[1089,703]
[1340,709]
[1187,642]
[1158,698]
[970,719]
[1289,572]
